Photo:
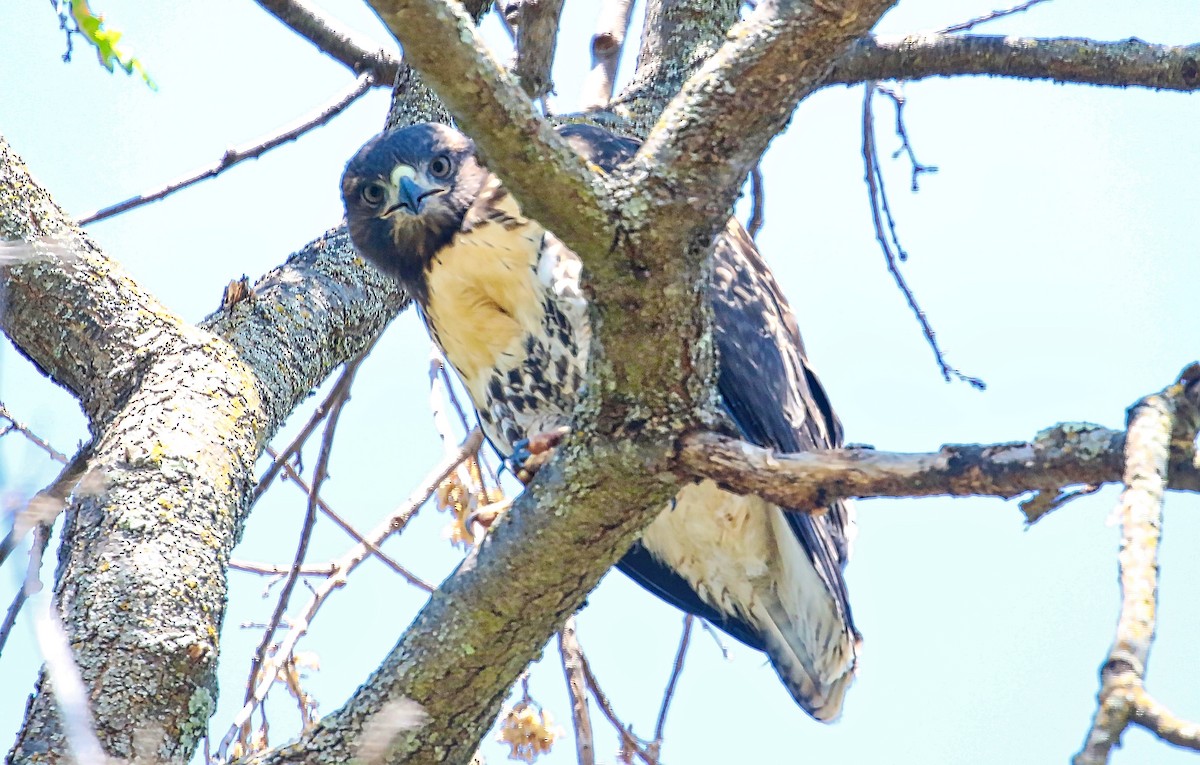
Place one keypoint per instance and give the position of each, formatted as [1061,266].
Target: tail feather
[810,641]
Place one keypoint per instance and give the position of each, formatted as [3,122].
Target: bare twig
[32,584]
[45,506]
[918,169]
[1151,423]
[310,518]
[669,693]
[399,517]
[629,741]
[275,569]
[1065,455]
[758,193]
[607,44]
[716,636]
[359,53]
[879,208]
[572,663]
[339,391]
[997,14]
[34,438]
[345,526]
[238,154]
[1156,718]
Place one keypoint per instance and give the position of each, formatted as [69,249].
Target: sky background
[1055,253]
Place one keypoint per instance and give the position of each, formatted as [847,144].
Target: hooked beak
[411,195]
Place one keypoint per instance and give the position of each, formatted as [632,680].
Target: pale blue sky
[1055,253]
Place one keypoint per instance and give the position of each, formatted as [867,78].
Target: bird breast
[505,308]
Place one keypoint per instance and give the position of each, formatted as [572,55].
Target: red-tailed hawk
[501,298]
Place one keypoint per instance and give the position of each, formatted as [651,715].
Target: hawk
[501,297]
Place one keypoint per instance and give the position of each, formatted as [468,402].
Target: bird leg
[531,454]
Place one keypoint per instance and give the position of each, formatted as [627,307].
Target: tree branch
[360,54]
[572,663]
[678,36]
[252,150]
[537,36]
[179,417]
[1063,455]
[1155,425]
[689,174]
[553,183]
[607,44]
[1122,63]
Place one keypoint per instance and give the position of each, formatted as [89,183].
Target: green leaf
[105,41]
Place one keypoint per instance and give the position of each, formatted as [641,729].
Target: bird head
[406,192]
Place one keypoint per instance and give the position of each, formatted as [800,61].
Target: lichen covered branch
[1121,63]
[1152,429]
[1064,455]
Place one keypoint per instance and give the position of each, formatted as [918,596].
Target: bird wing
[768,388]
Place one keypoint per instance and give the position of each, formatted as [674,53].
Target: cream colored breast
[484,298]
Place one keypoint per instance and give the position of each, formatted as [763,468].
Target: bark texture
[1120,63]
[1064,455]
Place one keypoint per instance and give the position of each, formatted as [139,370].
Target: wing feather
[767,386]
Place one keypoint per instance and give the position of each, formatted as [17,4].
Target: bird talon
[531,454]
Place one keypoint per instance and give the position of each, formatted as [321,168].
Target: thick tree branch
[1063,455]
[537,36]
[180,416]
[678,36]
[361,54]
[1122,63]
[689,173]
[141,577]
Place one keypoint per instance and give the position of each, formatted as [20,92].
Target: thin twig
[997,14]
[238,154]
[34,438]
[345,526]
[32,584]
[712,632]
[758,210]
[275,569]
[572,663]
[607,44]
[629,741]
[339,391]
[668,694]
[918,169]
[310,519]
[1159,720]
[45,506]
[70,694]
[298,626]
[359,53]
[875,193]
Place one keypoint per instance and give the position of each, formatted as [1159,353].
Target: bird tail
[810,641]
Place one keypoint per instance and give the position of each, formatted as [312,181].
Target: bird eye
[374,193]
[441,166]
